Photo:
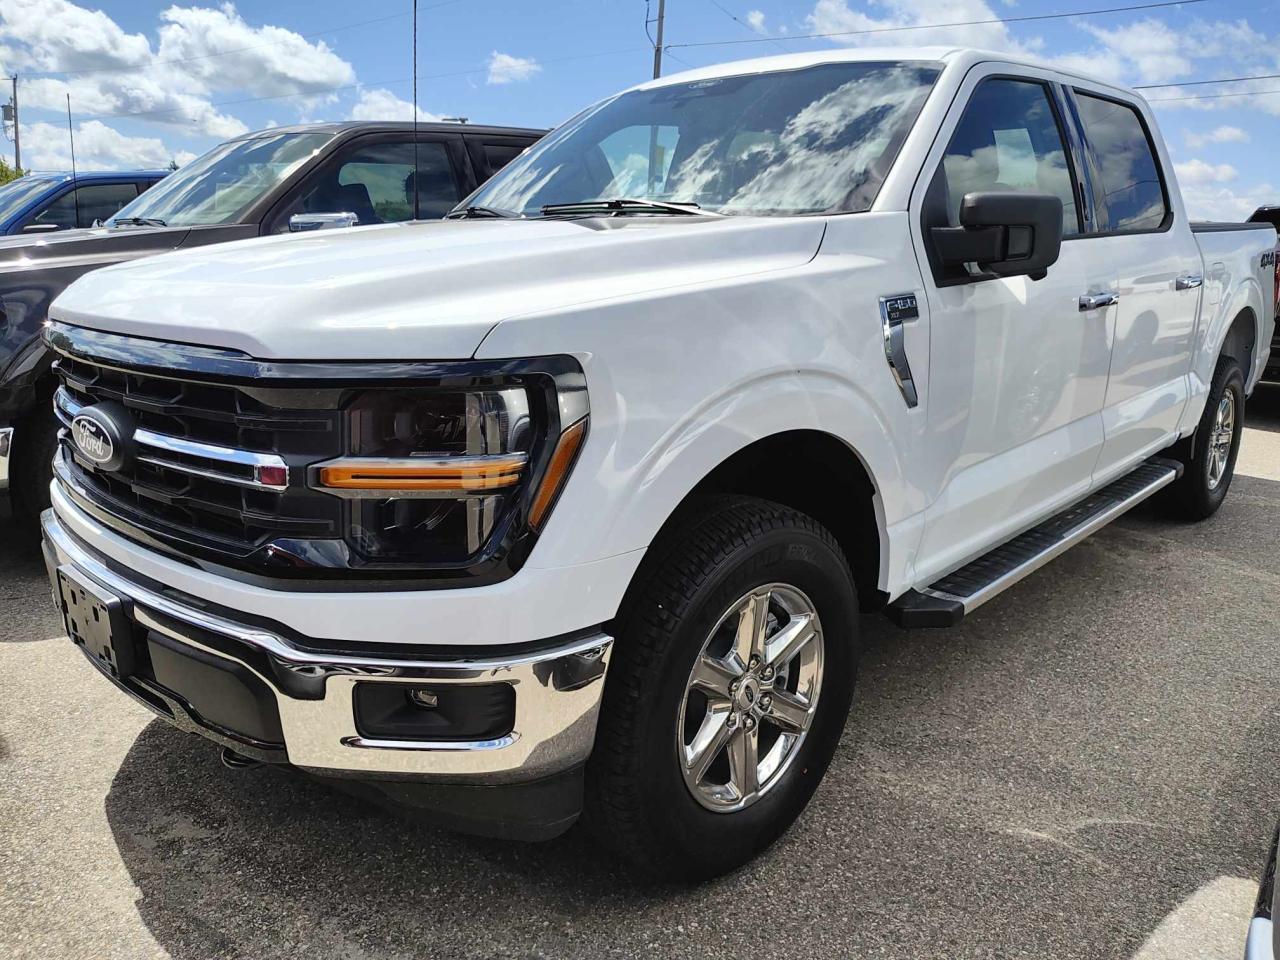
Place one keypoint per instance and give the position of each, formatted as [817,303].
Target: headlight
[442,476]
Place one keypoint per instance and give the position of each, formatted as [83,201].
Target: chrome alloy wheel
[1220,439]
[750,698]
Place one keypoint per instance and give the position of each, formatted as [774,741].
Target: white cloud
[112,72]
[755,20]
[504,68]
[1223,134]
[834,16]
[379,104]
[1205,202]
[1197,172]
[45,146]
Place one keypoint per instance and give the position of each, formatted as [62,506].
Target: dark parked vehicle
[310,176]
[46,202]
[1271,215]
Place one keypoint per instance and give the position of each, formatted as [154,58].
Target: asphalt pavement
[1086,768]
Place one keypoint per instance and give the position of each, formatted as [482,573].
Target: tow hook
[238,761]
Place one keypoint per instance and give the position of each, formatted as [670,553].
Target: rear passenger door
[1151,246]
[1017,371]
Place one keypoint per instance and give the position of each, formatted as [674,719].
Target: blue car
[44,202]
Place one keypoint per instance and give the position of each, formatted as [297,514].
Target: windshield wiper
[140,221]
[477,213]
[626,205]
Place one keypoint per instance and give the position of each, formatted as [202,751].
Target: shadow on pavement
[1263,409]
[1050,779]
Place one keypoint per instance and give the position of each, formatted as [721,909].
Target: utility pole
[12,114]
[657,47]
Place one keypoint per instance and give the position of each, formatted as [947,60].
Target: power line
[227,53]
[746,26]
[935,26]
[1212,96]
[1201,83]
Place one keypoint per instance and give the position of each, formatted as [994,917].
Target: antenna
[71,135]
[415,109]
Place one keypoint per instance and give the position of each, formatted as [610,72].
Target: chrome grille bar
[68,408]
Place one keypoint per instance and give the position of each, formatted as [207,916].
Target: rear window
[1133,193]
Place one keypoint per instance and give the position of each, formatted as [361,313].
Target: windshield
[221,185]
[800,141]
[16,194]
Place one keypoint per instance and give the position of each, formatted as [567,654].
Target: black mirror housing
[1005,233]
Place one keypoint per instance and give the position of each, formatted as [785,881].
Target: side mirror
[1006,234]
[306,222]
[40,228]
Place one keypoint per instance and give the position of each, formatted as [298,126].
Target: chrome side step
[945,602]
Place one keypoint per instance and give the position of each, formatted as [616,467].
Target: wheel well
[1240,340]
[819,475]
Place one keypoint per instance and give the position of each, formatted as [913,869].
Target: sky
[153,82]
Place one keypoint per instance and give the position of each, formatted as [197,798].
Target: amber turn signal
[441,474]
[557,472]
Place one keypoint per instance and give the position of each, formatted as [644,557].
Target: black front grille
[230,521]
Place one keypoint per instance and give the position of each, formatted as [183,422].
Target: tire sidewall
[1229,378]
[797,558]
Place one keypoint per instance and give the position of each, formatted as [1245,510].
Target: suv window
[1133,195]
[97,201]
[498,155]
[376,183]
[1009,139]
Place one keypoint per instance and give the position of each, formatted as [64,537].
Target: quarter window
[1133,194]
[1009,139]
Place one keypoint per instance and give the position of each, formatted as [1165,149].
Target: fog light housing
[461,712]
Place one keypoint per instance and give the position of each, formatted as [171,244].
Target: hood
[426,291]
[27,251]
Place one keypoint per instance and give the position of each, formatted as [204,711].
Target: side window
[498,155]
[376,182]
[1134,194]
[1009,139]
[101,201]
[96,201]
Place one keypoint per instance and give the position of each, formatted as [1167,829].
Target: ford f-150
[568,505]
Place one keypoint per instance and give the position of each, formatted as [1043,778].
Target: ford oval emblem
[102,436]
[92,440]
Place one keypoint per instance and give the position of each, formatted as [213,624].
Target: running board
[944,603]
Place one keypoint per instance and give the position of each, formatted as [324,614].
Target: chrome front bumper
[6,452]
[558,689]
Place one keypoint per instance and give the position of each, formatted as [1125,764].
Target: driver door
[1017,370]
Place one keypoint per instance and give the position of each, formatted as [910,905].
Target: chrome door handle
[1093,301]
[1189,282]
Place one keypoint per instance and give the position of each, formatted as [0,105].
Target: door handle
[1189,282]
[1094,301]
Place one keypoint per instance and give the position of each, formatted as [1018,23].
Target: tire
[1196,495]
[35,442]
[638,801]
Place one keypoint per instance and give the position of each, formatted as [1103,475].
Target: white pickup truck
[568,506]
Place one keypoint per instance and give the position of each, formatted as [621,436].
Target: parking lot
[1087,768]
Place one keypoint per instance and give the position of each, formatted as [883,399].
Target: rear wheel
[1211,462]
[730,681]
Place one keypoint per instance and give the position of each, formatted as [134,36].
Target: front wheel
[731,678]
[1211,463]
[35,442]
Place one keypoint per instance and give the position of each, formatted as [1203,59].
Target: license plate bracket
[95,620]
